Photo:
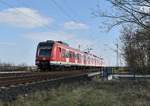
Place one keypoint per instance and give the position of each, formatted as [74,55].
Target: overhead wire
[70,9]
[68,15]
[63,10]
[53,1]
[56,5]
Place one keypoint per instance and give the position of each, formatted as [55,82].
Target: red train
[57,54]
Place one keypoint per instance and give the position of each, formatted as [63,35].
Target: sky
[25,23]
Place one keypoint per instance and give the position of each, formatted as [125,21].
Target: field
[93,93]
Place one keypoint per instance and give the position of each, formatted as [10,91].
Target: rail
[12,86]
[22,78]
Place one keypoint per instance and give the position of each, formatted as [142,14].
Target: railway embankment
[74,88]
[89,93]
[26,83]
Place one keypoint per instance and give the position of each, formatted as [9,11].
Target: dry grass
[94,93]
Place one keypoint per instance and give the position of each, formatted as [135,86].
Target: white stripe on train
[69,64]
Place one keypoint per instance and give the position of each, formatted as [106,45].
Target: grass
[94,93]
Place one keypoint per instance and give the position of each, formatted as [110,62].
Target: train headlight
[43,58]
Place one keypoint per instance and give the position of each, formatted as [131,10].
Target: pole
[117,57]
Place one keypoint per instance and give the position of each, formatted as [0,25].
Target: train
[59,55]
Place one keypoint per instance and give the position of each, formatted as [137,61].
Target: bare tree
[127,11]
[136,48]
[135,39]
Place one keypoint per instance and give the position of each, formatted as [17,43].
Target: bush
[94,93]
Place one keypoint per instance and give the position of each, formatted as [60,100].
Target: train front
[43,54]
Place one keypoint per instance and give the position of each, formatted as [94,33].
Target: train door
[72,59]
[67,56]
[63,58]
[85,59]
[57,55]
[82,59]
[76,58]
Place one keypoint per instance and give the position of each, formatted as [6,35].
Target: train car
[57,54]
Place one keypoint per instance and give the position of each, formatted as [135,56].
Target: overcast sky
[24,23]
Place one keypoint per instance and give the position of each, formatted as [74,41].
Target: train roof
[64,43]
[50,42]
[46,43]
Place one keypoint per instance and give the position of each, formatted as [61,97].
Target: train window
[63,53]
[59,50]
[67,54]
[45,52]
[79,57]
[76,56]
[71,55]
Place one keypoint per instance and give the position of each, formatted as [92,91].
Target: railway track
[8,79]
[12,85]
[23,73]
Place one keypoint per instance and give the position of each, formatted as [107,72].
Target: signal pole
[116,51]
[79,46]
[117,54]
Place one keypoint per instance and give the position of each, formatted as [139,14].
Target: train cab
[44,53]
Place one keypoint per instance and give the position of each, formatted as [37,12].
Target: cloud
[75,25]
[71,39]
[23,17]
[42,36]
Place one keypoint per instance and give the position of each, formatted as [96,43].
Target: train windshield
[45,52]
[44,49]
